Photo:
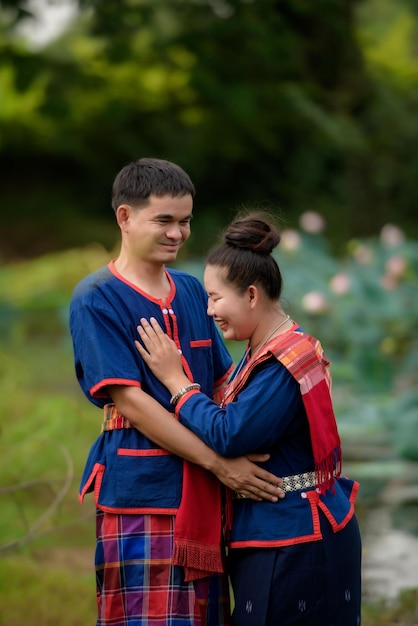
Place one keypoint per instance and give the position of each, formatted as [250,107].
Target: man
[155,557]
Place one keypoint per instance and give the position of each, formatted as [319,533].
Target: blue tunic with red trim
[127,471]
[267,413]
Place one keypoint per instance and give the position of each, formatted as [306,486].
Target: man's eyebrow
[171,216]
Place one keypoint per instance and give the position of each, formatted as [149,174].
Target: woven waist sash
[291,483]
[299,481]
[113,420]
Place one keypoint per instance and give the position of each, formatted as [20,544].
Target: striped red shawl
[304,358]
[197,537]
[198,528]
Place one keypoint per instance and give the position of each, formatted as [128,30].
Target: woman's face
[229,308]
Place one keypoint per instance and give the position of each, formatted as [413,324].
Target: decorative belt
[113,420]
[290,483]
[299,481]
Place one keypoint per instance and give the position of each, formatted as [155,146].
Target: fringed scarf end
[328,469]
[197,560]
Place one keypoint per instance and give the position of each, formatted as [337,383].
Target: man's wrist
[214,463]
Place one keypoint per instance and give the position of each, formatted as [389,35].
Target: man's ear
[123,213]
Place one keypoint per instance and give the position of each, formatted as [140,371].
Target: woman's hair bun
[253,231]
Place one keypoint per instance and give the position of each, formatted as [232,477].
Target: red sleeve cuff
[183,399]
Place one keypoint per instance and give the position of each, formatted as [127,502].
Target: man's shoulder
[91,282]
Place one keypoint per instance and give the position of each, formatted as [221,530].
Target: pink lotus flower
[340,284]
[392,236]
[290,240]
[395,265]
[314,302]
[312,222]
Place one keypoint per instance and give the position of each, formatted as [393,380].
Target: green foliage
[51,596]
[41,459]
[46,537]
[299,104]
[363,306]
[35,294]
[404,612]
[389,41]
[404,439]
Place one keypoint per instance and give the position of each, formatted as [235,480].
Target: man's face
[156,232]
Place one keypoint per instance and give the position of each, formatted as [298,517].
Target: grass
[46,536]
[40,593]
[403,612]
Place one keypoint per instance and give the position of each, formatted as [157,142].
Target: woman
[298,560]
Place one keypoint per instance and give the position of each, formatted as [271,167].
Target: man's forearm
[161,427]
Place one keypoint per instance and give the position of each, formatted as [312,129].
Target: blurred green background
[306,108]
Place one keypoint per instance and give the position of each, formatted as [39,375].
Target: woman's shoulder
[299,352]
[293,341]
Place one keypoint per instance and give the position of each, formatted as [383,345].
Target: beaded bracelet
[176,397]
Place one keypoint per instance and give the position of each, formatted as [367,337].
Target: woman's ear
[252,295]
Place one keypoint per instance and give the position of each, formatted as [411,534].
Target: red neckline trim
[114,271]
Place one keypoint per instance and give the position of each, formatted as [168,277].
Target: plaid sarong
[137,585]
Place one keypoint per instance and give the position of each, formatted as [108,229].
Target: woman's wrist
[177,382]
[182,391]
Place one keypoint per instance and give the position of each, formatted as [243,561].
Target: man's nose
[174,231]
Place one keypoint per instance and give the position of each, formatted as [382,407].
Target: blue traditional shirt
[268,415]
[127,471]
